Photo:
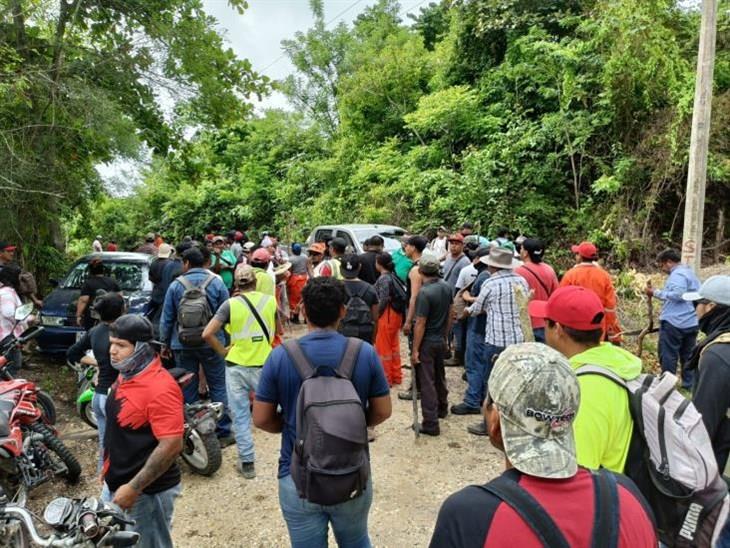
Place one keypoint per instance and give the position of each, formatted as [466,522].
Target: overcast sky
[257,34]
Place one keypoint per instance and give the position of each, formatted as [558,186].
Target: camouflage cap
[537,395]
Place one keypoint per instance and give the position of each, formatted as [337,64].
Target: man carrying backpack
[190,302]
[574,326]
[544,498]
[250,318]
[340,491]
[637,424]
[361,318]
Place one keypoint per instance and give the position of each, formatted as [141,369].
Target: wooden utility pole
[694,207]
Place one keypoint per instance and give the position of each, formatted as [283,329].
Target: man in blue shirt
[324,301]
[190,357]
[678,325]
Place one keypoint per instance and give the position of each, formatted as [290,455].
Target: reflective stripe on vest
[248,342]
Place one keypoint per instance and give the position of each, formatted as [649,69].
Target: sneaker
[478,429]
[464,409]
[428,432]
[408,395]
[246,469]
[226,441]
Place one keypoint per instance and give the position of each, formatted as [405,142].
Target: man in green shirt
[401,261]
[223,261]
[250,320]
[573,325]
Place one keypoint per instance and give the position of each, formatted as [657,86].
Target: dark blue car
[58,315]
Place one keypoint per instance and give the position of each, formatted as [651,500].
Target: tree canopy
[563,119]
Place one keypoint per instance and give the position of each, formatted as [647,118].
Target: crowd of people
[219,308]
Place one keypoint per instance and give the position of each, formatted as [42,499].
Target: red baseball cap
[261,255]
[456,238]
[585,249]
[4,246]
[572,306]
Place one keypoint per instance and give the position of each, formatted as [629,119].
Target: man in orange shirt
[587,273]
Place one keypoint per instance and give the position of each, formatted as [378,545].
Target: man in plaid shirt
[497,300]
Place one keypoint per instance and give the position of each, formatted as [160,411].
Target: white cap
[715,289]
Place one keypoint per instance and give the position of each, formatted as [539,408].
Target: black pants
[430,372]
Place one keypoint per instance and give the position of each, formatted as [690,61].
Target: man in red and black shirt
[144,433]
[543,499]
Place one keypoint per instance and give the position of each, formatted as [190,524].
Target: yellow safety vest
[249,345]
[264,282]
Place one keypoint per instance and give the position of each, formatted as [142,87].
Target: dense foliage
[562,118]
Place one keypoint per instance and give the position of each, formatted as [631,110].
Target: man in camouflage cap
[532,400]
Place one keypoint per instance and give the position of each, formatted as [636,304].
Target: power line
[343,12]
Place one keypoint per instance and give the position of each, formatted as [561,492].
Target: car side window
[346,236]
[323,234]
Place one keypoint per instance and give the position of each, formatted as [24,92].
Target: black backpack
[358,320]
[605,514]
[398,295]
[330,462]
[193,312]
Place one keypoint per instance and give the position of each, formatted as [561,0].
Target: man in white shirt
[438,246]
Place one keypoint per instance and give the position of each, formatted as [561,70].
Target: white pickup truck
[355,235]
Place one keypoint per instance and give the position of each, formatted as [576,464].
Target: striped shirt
[497,300]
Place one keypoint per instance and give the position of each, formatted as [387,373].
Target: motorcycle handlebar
[26,519]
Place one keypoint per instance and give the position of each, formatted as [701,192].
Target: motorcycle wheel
[87,414]
[47,407]
[202,452]
[54,445]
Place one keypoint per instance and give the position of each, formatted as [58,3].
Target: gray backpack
[193,312]
[330,462]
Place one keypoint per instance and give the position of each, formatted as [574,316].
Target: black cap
[350,266]
[133,328]
[338,244]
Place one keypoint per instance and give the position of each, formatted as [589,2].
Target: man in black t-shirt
[373,246]
[433,323]
[90,290]
[357,323]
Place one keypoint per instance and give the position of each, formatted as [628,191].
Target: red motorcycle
[30,451]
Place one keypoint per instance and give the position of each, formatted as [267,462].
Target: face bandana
[141,358]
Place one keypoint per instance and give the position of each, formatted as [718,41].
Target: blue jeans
[476,368]
[308,523]
[214,367]
[239,380]
[539,334]
[676,345]
[152,515]
[98,405]
[723,540]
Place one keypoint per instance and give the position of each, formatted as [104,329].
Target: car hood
[62,302]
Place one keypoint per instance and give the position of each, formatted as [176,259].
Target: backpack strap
[304,367]
[187,284]
[207,282]
[606,510]
[531,512]
[724,338]
[601,372]
[539,280]
[349,358]
[256,314]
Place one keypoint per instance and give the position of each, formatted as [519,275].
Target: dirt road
[411,478]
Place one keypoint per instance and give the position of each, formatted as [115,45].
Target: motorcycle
[30,451]
[86,383]
[10,343]
[83,523]
[201,449]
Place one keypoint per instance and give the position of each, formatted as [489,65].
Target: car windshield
[389,237]
[129,276]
